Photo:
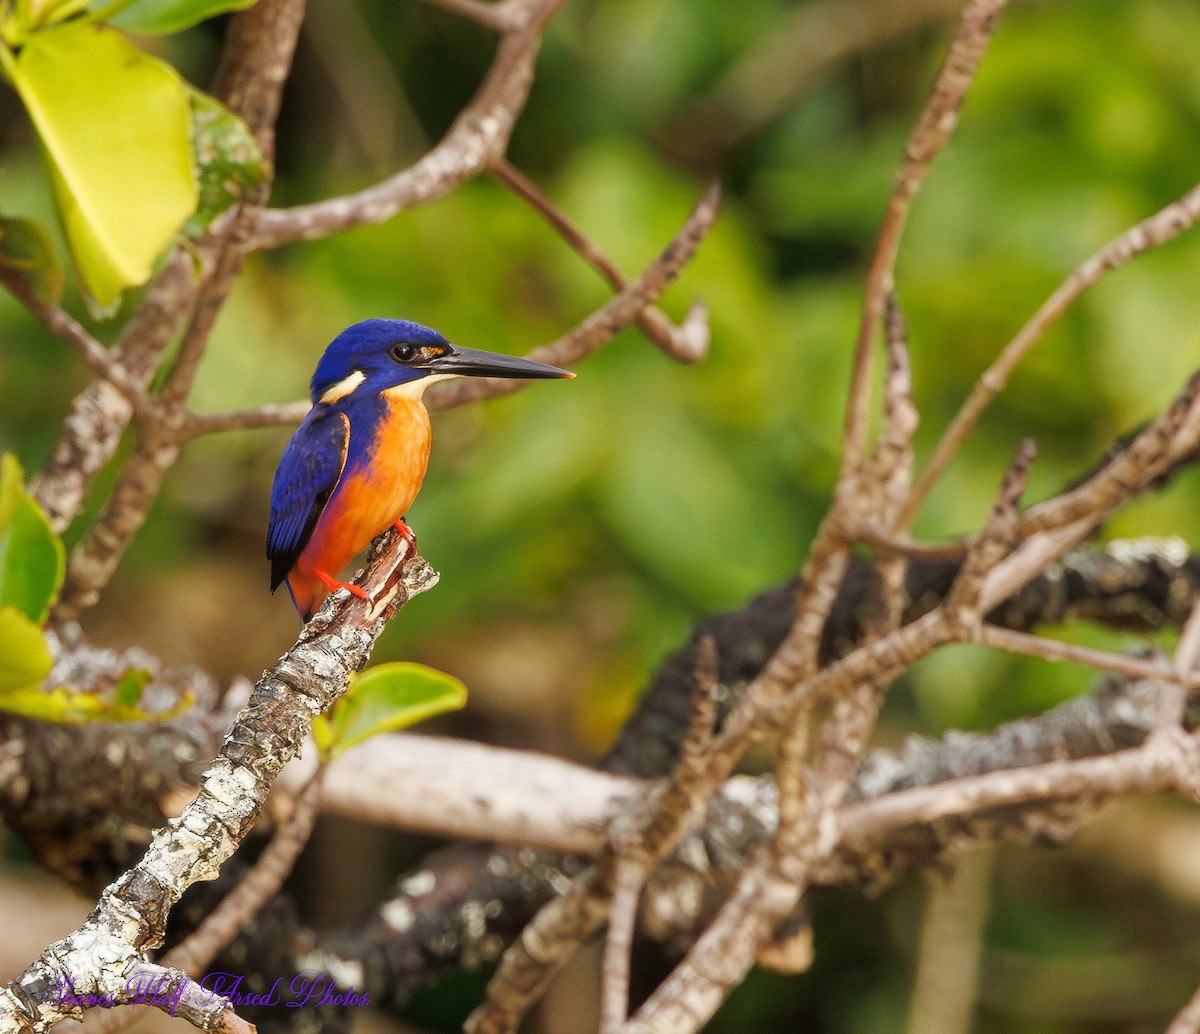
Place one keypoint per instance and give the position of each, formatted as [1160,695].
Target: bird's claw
[402,526]
[332,584]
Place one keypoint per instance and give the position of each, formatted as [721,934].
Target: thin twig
[606,322]
[628,881]
[1054,650]
[1173,706]
[688,342]
[281,414]
[479,134]
[1187,652]
[928,138]
[1145,769]
[1044,533]
[1159,228]
[595,331]
[99,359]
[637,842]
[1165,441]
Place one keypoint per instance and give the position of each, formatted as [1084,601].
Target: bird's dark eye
[404,353]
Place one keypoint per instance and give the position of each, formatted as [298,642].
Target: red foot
[332,584]
[402,526]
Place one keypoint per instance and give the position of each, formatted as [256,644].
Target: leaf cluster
[134,154]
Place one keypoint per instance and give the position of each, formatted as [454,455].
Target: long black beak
[470,362]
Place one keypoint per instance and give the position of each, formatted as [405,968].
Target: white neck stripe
[343,388]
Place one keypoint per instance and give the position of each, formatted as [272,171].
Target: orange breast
[377,492]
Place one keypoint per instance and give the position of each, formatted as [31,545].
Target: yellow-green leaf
[389,697]
[28,262]
[114,124]
[24,656]
[72,707]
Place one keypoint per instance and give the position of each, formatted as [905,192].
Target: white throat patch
[343,388]
[415,389]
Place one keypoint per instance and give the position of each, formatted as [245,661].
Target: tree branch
[479,135]
[606,322]
[131,914]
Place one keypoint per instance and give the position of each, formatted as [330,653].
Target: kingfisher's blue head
[379,354]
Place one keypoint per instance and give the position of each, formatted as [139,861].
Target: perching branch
[130,917]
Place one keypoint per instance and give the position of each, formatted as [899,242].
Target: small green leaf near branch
[386,698]
[32,558]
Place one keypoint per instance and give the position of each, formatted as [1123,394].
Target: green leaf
[27,260]
[128,690]
[31,561]
[227,159]
[24,656]
[32,558]
[114,124]
[389,697]
[162,17]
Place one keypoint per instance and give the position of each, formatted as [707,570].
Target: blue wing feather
[306,476]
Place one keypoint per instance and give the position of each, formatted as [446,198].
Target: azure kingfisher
[356,463]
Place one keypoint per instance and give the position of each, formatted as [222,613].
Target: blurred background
[581,529]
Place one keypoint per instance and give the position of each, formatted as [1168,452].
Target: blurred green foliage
[605,515]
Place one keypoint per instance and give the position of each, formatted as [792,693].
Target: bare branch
[1159,228]
[688,343]
[281,414]
[487,793]
[1146,769]
[628,881]
[1054,650]
[928,138]
[1156,448]
[479,135]
[606,322]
